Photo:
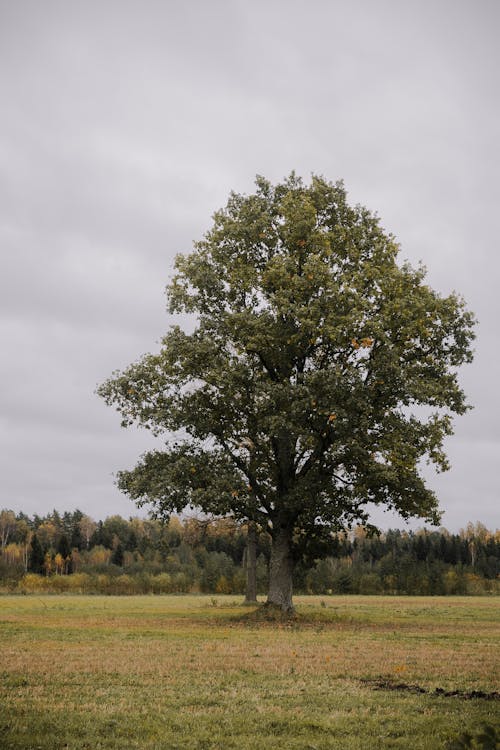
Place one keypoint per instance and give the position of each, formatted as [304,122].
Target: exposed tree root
[270,613]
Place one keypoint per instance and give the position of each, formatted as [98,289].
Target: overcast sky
[124,126]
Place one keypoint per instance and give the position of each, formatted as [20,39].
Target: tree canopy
[318,377]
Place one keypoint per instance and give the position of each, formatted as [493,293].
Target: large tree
[319,375]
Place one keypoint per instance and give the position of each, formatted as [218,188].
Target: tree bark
[251,564]
[280,572]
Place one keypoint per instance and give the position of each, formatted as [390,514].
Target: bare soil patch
[403,687]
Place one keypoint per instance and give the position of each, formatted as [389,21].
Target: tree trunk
[251,564]
[280,572]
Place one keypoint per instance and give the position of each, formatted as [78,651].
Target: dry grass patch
[166,672]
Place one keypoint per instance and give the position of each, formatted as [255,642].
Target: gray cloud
[125,125]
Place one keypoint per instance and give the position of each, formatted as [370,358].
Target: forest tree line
[72,552]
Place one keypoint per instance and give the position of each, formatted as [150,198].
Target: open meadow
[165,672]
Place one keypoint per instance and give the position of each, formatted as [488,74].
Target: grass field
[188,672]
